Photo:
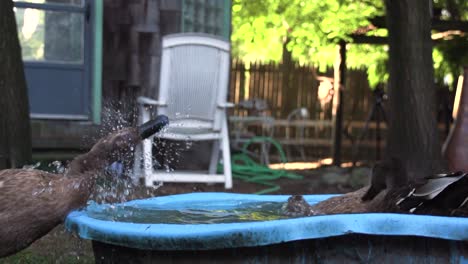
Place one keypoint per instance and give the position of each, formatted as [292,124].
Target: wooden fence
[300,88]
[269,82]
[288,88]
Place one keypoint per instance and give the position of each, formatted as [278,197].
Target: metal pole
[97,63]
[339,112]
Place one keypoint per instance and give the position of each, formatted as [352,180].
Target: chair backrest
[194,77]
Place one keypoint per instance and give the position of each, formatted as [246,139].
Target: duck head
[109,148]
[297,206]
[152,127]
[123,140]
[387,174]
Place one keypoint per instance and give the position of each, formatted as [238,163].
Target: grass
[28,256]
[59,246]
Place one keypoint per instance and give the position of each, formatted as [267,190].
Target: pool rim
[249,234]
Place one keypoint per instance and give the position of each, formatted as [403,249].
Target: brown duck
[391,192]
[33,201]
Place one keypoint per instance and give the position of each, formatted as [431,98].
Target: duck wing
[436,184]
[440,194]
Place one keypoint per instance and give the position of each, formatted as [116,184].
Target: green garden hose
[246,169]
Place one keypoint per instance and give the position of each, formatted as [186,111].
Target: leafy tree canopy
[311,29]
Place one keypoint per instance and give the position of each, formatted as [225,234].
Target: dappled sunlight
[308,165]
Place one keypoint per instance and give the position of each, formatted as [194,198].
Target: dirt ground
[60,246]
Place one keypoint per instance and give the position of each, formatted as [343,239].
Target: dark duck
[440,194]
[390,191]
[33,202]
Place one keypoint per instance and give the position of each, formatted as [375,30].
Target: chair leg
[264,153]
[147,157]
[214,157]
[143,116]
[137,164]
[147,144]
[226,157]
[303,155]
[288,152]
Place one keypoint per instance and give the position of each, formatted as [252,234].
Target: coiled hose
[246,169]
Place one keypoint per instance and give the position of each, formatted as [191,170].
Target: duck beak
[153,126]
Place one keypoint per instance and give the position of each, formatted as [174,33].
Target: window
[50,35]
[61,57]
[207,16]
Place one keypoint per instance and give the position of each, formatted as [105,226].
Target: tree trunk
[4,157]
[14,110]
[412,134]
[289,101]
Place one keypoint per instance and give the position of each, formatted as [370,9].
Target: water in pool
[195,214]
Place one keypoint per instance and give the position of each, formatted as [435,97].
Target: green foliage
[453,9]
[373,58]
[449,58]
[311,29]
[451,54]
[308,29]
[29,257]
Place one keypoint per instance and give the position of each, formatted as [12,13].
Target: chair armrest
[148,101]
[226,105]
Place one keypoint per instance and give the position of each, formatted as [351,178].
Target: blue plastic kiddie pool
[226,226]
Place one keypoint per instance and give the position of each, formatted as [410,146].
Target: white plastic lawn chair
[192,93]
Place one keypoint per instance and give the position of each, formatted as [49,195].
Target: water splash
[115,184]
[57,167]
[32,166]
